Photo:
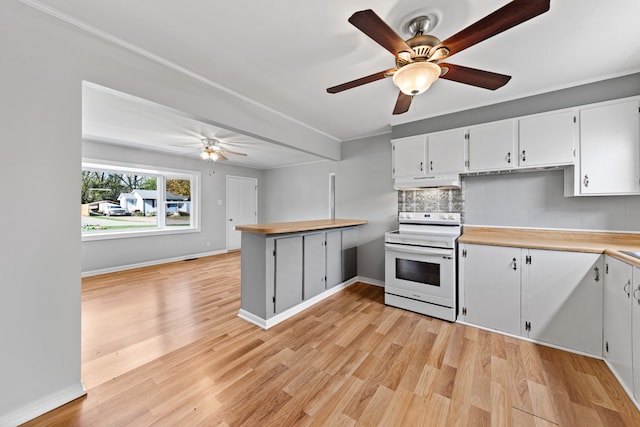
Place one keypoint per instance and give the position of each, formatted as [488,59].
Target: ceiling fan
[418,58]
[212,149]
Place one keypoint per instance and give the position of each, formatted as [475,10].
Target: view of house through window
[127,200]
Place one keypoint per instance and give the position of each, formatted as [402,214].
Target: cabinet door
[617,319]
[547,139]
[334,258]
[609,149]
[314,264]
[562,299]
[288,272]
[409,156]
[491,146]
[635,315]
[445,152]
[490,286]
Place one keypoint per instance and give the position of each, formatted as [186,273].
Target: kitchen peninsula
[289,266]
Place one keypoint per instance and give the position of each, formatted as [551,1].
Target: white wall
[99,255]
[535,199]
[44,62]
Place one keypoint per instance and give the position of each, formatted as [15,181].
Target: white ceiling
[117,118]
[285,53]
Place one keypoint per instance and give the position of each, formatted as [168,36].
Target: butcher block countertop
[560,240]
[298,226]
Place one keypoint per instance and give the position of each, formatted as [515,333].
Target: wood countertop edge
[608,243]
[300,226]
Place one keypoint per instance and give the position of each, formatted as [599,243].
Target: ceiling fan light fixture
[415,78]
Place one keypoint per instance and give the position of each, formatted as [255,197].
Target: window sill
[88,237]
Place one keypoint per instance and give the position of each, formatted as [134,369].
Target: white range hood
[442,181]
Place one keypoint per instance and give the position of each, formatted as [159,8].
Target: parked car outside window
[115,210]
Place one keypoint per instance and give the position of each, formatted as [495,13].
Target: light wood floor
[163,345]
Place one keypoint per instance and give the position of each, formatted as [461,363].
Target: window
[120,200]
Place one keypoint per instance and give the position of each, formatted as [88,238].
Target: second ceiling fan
[418,58]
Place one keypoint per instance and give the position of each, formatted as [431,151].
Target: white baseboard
[369,281]
[42,406]
[624,387]
[149,263]
[281,317]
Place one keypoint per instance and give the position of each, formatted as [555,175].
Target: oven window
[418,271]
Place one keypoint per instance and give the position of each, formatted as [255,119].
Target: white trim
[150,263]
[160,60]
[43,405]
[624,387]
[531,340]
[161,173]
[369,281]
[281,317]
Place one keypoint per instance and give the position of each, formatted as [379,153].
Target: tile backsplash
[432,200]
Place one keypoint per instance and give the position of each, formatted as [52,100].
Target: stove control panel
[429,217]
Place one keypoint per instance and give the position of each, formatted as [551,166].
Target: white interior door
[242,206]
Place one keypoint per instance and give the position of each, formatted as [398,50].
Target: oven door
[421,273]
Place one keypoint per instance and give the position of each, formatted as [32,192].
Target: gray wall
[44,64]
[106,254]
[364,190]
[297,193]
[535,199]
[605,90]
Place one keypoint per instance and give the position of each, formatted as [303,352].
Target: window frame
[161,174]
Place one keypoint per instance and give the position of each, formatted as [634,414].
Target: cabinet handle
[597,270]
[634,294]
[431,165]
[585,181]
[421,166]
[627,288]
[524,156]
[515,265]
[509,157]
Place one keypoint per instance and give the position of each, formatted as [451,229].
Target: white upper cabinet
[445,152]
[609,149]
[492,146]
[409,156]
[547,139]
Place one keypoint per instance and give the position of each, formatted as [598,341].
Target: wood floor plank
[163,345]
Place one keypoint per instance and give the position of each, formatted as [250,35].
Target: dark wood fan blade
[372,25]
[474,77]
[508,16]
[361,81]
[403,103]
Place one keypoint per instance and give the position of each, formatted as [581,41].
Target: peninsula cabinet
[293,264]
[552,297]
[609,160]
[619,311]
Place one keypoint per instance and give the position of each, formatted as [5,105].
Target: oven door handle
[420,250]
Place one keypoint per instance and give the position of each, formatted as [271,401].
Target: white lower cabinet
[490,285]
[553,297]
[618,344]
[635,329]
